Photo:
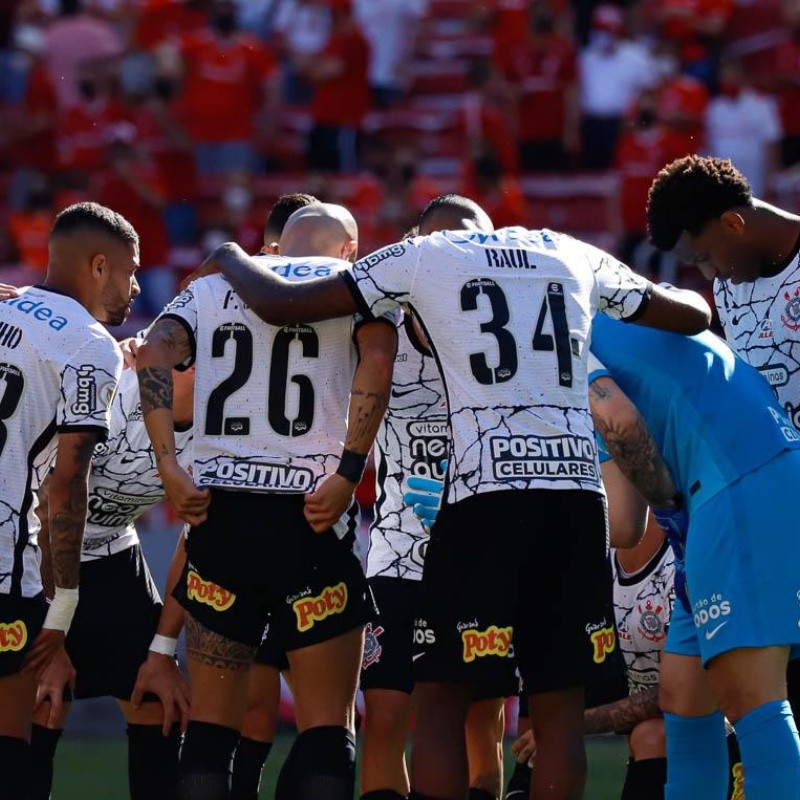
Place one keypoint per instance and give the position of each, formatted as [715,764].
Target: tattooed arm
[167,345]
[622,715]
[630,442]
[369,396]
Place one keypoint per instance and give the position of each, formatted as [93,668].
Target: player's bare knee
[648,740]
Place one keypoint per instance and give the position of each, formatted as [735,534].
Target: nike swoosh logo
[714,631]
[418,655]
[398,393]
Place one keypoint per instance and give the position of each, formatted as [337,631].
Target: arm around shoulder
[675,310]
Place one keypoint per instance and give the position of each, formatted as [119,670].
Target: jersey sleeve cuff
[192,342]
[642,306]
[600,372]
[363,307]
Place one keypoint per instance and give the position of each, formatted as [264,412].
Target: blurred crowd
[190,116]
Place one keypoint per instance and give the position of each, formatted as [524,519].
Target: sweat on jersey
[508,316]
[59,369]
[712,415]
[270,402]
[124,480]
[761,321]
[413,439]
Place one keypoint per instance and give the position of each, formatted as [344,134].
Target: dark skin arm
[630,442]
[676,310]
[167,345]
[369,396]
[43,512]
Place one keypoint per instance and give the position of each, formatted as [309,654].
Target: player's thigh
[17,697]
[483,730]
[388,714]
[684,687]
[150,713]
[263,702]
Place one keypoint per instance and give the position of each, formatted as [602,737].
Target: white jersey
[643,606]
[270,403]
[124,481]
[412,440]
[508,315]
[761,321]
[59,369]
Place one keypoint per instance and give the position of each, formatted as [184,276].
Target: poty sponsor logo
[310,610]
[208,593]
[493,641]
[604,641]
[547,457]
[13,636]
[86,393]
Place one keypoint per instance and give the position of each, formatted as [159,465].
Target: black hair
[448,202]
[94,218]
[411,233]
[689,193]
[284,207]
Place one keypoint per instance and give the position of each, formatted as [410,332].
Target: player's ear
[99,266]
[732,222]
[350,251]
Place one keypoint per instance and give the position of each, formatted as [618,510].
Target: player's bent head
[320,229]
[453,212]
[93,254]
[698,207]
[280,212]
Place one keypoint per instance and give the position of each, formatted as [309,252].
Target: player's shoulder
[299,269]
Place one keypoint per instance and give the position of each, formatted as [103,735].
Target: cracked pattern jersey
[59,369]
[761,321]
[124,481]
[270,402]
[508,315]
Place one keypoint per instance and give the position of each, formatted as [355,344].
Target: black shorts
[272,650]
[516,574]
[114,624]
[21,619]
[255,559]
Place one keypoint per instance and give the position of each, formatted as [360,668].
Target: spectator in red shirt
[507,20]
[496,192]
[682,106]
[229,79]
[341,93]
[786,84]
[133,186]
[543,72]
[86,127]
[161,125]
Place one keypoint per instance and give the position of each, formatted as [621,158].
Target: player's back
[270,405]
[714,416]
[58,371]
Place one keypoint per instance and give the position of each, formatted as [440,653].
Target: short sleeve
[623,293]
[88,383]
[183,309]
[383,281]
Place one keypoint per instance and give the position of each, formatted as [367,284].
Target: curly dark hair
[690,192]
[95,218]
[284,207]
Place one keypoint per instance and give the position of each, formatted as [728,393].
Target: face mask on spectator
[88,89]
[225,22]
[164,88]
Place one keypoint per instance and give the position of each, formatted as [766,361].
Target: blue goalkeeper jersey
[714,417]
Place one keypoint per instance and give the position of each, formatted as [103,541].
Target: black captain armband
[351,466]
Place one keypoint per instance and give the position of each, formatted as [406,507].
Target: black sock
[383,794]
[519,784]
[645,780]
[480,794]
[205,762]
[15,767]
[320,766]
[153,762]
[42,753]
[248,761]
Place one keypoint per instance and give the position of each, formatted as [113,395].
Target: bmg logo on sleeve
[86,392]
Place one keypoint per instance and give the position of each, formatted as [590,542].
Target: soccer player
[116,618]
[59,369]
[508,316]
[412,443]
[268,505]
[694,394]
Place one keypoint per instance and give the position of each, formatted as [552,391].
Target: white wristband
[61,610]
[165,645]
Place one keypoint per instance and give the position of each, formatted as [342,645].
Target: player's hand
[130,347]
[208,267]
[161,675]
[43,650]
[425,497]
[7,291]
[57,676]
[325,507]
[189,502]
[524,748]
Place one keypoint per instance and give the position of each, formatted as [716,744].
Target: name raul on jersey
[516,258]
[548,457]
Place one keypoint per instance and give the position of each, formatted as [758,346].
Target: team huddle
[528,398]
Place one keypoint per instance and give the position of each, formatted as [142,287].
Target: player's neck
[63,284]
[779,231]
